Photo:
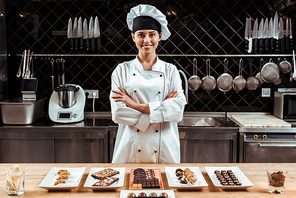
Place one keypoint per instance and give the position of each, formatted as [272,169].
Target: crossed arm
[124,97]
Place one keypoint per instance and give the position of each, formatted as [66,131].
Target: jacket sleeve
[122,114]
[171,109]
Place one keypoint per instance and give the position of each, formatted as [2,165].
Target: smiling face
[146,41]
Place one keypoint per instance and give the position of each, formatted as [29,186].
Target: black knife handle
[261,44]
[283,45]
[87,44]
[81,43]
[99,43]
[76,43]
[276,45]
[247,44]
[291,44]
[287,42]
[92,44]
[71,43]
[272,44]
[255,44]
[266,44]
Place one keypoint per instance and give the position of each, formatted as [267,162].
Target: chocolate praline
[142,194]
[131,195]
[153,194]
[163,194]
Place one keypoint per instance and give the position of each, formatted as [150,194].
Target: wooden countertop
[256,172]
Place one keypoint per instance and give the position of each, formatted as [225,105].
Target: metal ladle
[239,81]
[258,75]
[194,82]
[208,82]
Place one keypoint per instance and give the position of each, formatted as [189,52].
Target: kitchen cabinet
[208,144]
[18,145]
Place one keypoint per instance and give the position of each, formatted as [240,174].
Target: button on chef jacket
[141,137]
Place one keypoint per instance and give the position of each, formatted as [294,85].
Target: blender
[66,104]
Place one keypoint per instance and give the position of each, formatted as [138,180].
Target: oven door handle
[276,145]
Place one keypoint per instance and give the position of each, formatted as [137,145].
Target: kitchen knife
[266,35]
[255,35]
[290,33]
[260,34]
[270,32]
[275,31]
[281,41]
[26,63]
[75,31]
[248,38]
[287,36]
[85,34]
[91,34]
[70,33]
[79,33]
[97,34]
[250,35]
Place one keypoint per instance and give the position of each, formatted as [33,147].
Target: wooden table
[256,172]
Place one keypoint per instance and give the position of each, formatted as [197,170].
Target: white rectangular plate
[124,193]
[90,180]
[175,183]
[246,183]
[73,181]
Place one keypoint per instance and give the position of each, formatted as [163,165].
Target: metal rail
[173,55]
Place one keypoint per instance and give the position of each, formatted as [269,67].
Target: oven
[261,145]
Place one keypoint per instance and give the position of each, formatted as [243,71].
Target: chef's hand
[173,94]
[124,97]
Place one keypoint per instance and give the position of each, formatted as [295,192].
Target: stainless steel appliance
[285,104]
[267,145]
[66,104]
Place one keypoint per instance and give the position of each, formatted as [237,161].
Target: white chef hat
[135,19]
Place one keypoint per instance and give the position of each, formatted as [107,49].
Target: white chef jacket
[141,137]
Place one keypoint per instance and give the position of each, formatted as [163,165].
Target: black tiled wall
[197,26]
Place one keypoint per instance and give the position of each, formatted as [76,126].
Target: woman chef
[147,99]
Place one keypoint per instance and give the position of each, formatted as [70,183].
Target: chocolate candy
[163,194]
[153,194]
[142,194]
[227,178]
[131,195]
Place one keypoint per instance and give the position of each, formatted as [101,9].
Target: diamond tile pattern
[197,26]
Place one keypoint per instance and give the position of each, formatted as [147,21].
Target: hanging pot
[208,82]
[279,80]
[258,75]
[285,66]
[252,82]
[224,81]
[194,82]
[239,81]
[270,72]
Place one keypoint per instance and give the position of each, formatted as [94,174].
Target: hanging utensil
[225,80]
[279,80]
[287,36]
[281,41]
[294,63]
[270,72]
[26,62]
[275,37]
[63,72]
[194,82]
[70,33]
[79,33]
[260,35]
[91,34]
[58,61]
[239,81]
[85,34]
[248,37]
[52,74]
[208,82]
[258,75]
[28,71]
[285,66]
[19,71]
[252,82]
[75,32]
[255,35]
[97,33]
[270,34]
[266,35]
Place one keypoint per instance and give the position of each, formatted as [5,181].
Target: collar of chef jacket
[155,67]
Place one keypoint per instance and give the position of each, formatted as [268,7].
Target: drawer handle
[277,145]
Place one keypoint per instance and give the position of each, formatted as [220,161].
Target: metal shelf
[173,55]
